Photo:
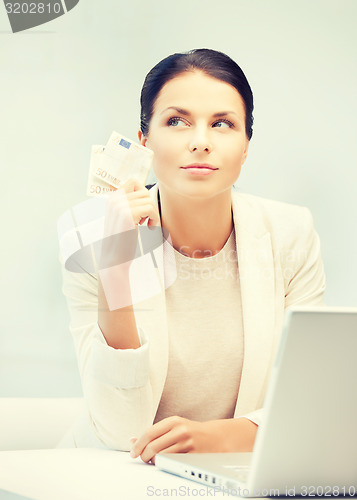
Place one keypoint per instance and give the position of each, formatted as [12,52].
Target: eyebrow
[187,113]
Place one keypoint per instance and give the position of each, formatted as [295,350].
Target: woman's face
[197,133]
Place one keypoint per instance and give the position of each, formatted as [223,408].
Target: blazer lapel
[256,273]
[151,315]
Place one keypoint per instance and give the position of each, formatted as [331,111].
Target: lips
[200,165]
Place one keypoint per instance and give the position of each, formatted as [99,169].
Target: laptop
[307,442]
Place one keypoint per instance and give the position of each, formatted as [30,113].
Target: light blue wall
[67,84]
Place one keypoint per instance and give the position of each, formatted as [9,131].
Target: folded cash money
[116,162]
[96,186]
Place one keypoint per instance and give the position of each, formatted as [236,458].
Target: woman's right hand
[141,205]
[126,208]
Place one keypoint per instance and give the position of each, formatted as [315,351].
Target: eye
[223,124]
[175,121]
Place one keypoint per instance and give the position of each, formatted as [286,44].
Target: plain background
[69,83]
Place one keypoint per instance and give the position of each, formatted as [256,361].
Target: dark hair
[215,64]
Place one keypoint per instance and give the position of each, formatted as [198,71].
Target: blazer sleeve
[302,268]
[116,382]
[303,265]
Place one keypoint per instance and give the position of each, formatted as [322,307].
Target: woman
[186,370]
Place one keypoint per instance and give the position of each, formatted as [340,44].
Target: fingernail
[133,454]
[132,439]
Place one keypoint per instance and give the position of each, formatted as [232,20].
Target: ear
[245,152]
[142,138]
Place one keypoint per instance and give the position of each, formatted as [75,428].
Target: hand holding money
[124,165]
[117,162]
[141,204]
[119,171]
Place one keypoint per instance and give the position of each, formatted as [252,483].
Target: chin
[197,190]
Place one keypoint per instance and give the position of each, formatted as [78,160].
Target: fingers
[154,432]
[132,185]
[175,448]
[145,211]
[170,434]
[161,446]
[157,445]
[139,202]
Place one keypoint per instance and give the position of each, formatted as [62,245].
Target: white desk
[92,474]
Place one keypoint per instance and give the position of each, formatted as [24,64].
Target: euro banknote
[96,186]
[116,162]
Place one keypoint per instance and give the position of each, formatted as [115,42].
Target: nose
[200,141]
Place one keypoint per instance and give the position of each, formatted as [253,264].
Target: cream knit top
[205,329]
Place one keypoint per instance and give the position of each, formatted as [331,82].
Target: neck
[198,227]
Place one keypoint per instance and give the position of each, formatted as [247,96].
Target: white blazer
[280,265]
